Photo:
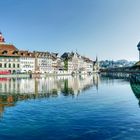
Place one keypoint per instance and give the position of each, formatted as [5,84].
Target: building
[43,62]
[13,60]
[9,58]
[70,62]
[27,62]
[75,63]
[57,64]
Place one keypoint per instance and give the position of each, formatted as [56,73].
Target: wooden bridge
[121,69]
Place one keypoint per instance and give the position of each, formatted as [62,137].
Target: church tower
[1,38]
[96,66]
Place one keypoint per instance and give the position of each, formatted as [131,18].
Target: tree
[66,64]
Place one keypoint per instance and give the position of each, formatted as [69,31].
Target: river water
[68,108]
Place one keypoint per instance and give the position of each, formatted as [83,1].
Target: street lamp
[139,49]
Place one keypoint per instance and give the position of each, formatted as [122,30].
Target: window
[4,52]
[0,65]
[14,71]
[13,65]
[9,65]
[15,52]
[17,65]
[5,65]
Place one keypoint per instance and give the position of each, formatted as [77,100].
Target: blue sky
[107,28]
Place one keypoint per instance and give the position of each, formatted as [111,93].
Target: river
[68,108]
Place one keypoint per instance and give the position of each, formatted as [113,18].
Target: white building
[75,63]
[43,62]
[57,64]
[87,65]
[27,62]
[70,62]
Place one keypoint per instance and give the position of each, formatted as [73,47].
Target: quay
[35,75]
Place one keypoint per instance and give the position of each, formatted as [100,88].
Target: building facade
[27,62]
[9,58]
[13,60]
[75,63]
[43,62]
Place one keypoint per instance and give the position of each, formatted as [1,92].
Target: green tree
[66,64]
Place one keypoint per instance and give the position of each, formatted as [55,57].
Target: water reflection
[135,85]
[16,89]
[134,80]
[116,75]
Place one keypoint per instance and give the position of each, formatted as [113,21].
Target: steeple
[96,58]
[1,38]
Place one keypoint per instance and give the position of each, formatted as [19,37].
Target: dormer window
[4,52]
[29,54]
[15,52]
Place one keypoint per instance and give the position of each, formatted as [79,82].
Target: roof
[137,63]
[138,44]
[24,53]
[8,47]
[86,59]
[42,54]
[67,55]
[8,50]
[8,53]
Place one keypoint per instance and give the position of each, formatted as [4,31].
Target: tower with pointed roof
[1,38]
[139,49]
[9,57]
[96,66]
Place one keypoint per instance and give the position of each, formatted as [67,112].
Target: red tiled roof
[8,50]
[8,47]
[26,53]
[8,53]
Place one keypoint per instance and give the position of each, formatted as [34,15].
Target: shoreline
[38,75]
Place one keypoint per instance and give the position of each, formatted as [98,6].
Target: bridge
[122,70]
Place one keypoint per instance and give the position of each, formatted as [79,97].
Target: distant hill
[115,64]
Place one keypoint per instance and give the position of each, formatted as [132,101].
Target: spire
[76,51]
[96,58]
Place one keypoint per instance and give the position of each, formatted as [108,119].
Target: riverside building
[13,60]
[77,64]
[27,62]
[43,62]
[9,58]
